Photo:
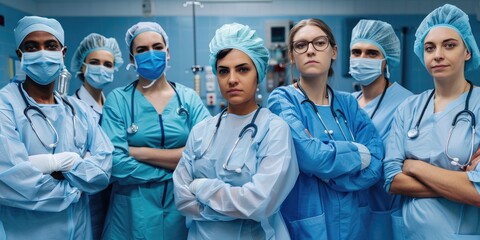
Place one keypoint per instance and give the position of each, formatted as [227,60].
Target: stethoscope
[335,116]
[414,132]
[78,97]
[54,144]
[379,101]
[251,127]
[133,128]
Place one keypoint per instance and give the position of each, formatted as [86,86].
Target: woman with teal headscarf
[230,184]
[427,158]
[148,122]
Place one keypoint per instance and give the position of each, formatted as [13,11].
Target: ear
[468,55]
[64,51]
[334,52]
[168,54]
[19,54]
[132,60]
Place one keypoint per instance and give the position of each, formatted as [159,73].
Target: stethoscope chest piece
[132,129]
[412,133]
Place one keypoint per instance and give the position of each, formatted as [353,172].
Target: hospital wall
[411,74]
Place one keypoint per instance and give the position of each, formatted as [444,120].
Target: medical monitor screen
[278,34]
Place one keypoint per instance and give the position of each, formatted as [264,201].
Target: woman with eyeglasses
[435,133]
[238,166]
[148,122]
[338,149]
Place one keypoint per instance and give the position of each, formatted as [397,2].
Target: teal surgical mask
[43,67]
[151,64]
[98,76]
[365,70]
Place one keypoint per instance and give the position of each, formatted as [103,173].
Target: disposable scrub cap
[30,24]
[454,18]
[381,35]
[142,27]
[240,37]
[95,42]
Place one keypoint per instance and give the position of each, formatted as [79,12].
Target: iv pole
[195,68]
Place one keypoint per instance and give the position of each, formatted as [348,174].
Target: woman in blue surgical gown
[374,52]
[427,158]
[229,189]
[45,171]
[338,148]
[94,63]
[148,122]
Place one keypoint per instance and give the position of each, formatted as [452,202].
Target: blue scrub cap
[30,24]
[452,17]
[381,35]
[142,27]
[94,42]
[240,37]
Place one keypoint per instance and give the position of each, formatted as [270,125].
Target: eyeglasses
[319,44]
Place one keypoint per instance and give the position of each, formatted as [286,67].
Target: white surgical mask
[98,76]
[365,70]
[43,66]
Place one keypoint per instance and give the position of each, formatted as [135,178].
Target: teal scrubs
[242,201]
[35,205]
[382,204]
[434,218]
[142,204]
[326,202]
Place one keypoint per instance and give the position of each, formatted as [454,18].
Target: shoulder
[399,89]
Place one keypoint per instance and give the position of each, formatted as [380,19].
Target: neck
[42,94]
[95,93]
[450,89]
[316,90]
[375,89]
[243,109]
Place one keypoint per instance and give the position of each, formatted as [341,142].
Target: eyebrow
[237,66]
[446,40]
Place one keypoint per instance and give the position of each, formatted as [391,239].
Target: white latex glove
[195,184]
[364,155]
[65,160]
[43,162]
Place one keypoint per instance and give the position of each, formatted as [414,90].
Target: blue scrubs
[381,203]
[434,218]
[325,202]
[142,204]
[231,204]
[34,205]
[98,201]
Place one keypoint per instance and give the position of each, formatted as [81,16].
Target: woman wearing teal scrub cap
[148,121]
[239,166]
[374,52]
[430,153]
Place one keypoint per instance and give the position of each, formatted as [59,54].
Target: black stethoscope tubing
[379,101]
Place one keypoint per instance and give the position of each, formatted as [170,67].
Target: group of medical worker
[149,162]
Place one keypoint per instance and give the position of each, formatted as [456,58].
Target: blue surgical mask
[98,76]
[151,64]
[43,66]
[365,70]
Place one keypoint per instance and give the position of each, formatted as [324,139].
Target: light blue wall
[179,30]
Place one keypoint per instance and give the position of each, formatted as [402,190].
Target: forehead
[100,55]
[234,58]
[308,32]
[440,34]
[148,39]
[40,37]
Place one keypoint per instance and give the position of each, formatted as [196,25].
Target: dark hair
[311,22]
[221,54]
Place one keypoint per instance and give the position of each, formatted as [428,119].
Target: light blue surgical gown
[98,201]
[325,202]
[34,205]
[231,204]
[142,205]
[434,218]
[381,203]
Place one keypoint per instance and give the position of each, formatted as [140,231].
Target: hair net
[95,42]
[142,27]
[30,24]
[241,37]
[381,35]
[454,18]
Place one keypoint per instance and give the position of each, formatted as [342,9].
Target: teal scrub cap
[243,38]
[142,27]
[452,17]
[94,42]
[30,24]
[381,35]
